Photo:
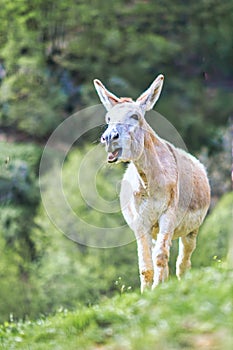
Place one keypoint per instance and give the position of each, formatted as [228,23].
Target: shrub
[214,235]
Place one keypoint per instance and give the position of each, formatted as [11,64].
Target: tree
[52,51]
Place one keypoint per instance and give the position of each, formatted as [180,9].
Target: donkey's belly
[191,221]
[142,214]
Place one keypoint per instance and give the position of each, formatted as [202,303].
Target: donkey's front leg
[144,245]
[161,251]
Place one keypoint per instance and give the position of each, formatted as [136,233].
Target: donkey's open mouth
[113,156]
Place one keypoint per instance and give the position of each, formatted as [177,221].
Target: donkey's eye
[108,119]
[134,116]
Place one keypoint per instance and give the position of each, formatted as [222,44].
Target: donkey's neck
[148,165]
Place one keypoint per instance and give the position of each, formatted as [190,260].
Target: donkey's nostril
[102,139]
[115,136]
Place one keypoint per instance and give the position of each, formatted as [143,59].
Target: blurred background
[50,52]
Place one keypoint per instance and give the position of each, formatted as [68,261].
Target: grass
[195,313]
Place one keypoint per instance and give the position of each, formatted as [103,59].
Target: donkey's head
[124,137]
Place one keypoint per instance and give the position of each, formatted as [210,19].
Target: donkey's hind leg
[187,245]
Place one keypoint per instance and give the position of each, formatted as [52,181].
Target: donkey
[165,193]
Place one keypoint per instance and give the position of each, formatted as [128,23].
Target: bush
[60,272]
[71,273]
[19,197]
[214,236]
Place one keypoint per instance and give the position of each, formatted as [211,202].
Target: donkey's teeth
[115,153]
[113,156]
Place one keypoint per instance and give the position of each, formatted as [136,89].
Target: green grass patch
[195,313]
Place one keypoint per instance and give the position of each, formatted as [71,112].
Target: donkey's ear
[147,100]
[106,97]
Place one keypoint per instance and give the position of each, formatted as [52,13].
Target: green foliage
[80,274]
[51,53]
[13,152]
[214,236]
[19,193]
[51,270]
[30,102]
[30,96]
[192,314]
[19,197]
[85,203]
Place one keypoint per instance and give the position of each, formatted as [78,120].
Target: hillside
[193,314]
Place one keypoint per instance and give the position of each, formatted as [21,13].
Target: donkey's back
[193,192]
